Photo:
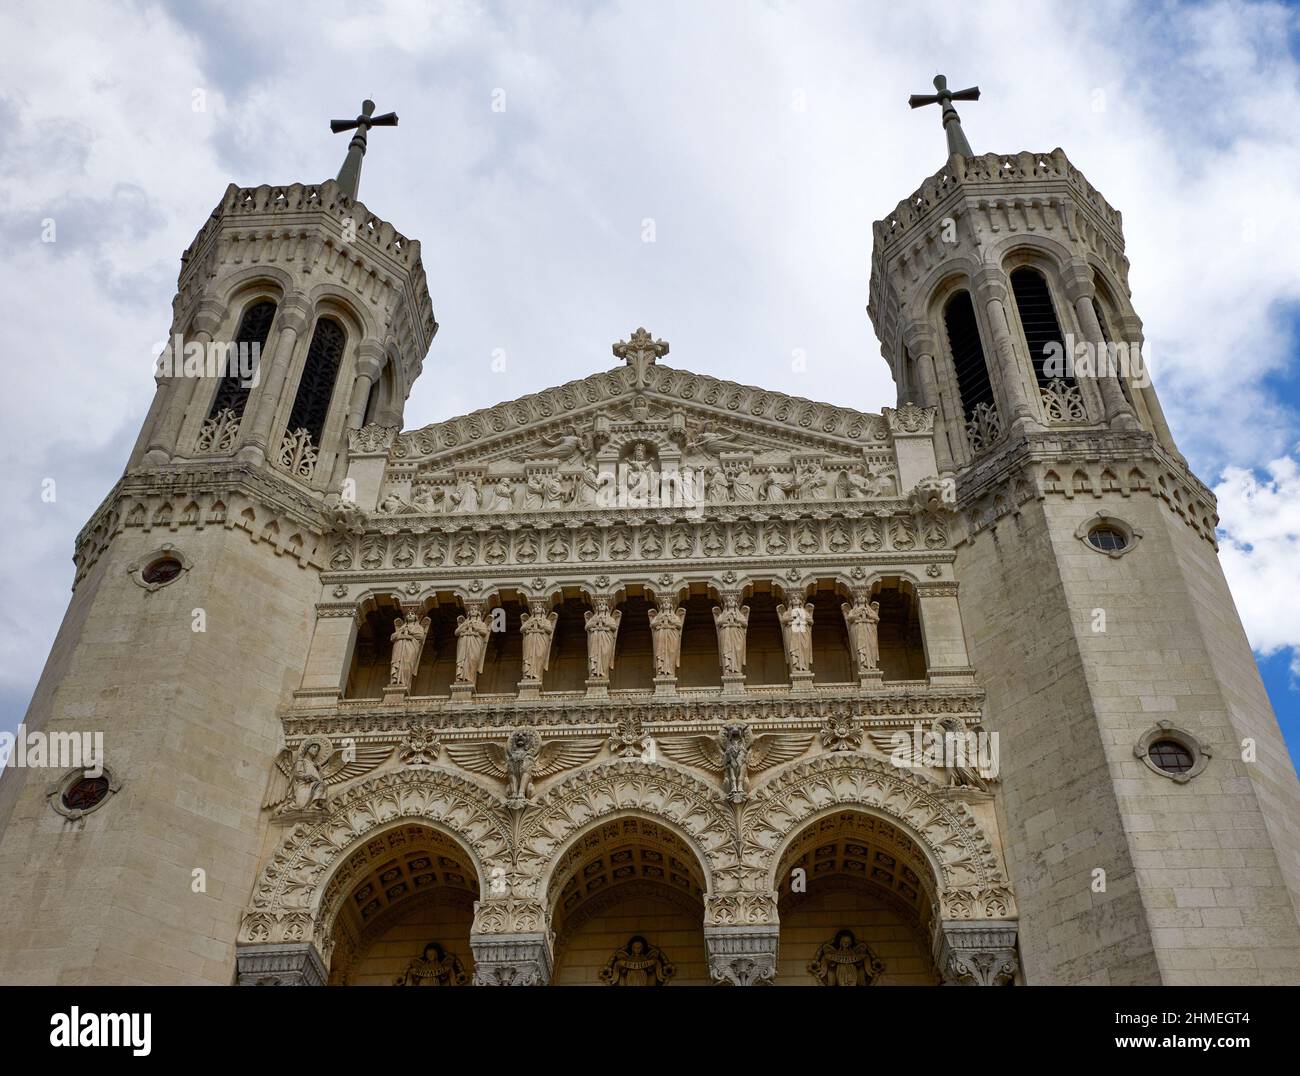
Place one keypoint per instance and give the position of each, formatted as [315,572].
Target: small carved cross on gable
[640,352]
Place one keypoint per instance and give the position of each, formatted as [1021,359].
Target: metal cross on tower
[951,121]
[349,178]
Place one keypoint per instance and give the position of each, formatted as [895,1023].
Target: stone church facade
[633,681]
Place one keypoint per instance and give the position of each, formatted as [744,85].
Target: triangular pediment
[704,415]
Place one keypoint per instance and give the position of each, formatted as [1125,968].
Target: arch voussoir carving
[616,788]
[968,878]
[299,890]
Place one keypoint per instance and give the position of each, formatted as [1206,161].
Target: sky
[758,140]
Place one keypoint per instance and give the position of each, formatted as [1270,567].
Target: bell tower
[300,322]
[1147,797]
[304,316]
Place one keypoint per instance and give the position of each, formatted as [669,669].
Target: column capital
[989,283]
[370,359]
[511,959]
[976,953]
[1077,280]
[919,339]
[294,312]
[742,956]
[282,964]
[208,317]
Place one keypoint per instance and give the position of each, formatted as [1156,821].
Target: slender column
[1131,329]
[370,361]
[1080,289]
[991,292]
[922,346]
[178,392]
[292,317]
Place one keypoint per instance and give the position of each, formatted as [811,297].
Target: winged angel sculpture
[301,778]
[522,759]
[735,753]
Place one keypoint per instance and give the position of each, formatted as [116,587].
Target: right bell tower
[1149,804]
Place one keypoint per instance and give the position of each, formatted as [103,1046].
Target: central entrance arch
[623,881]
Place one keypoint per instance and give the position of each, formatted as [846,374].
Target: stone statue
[639,474]
[666,634]
[408,641]
[862,618]
[732,622]
[465,497]
[569,444]
[810,482]
[735,753]
[772,489]
[392,504]
[554,490]
[844,961]
[742,485]
[503,495]
[538,628]
[586,488]
[602,633]
[859,482]
[638,963]
[959,748]
[796,631]
[439,969]
[718,488]
[535,492]
[429,499]
[301,778]
[522,759]
[471,645]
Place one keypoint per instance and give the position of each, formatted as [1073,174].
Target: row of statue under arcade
[761,636]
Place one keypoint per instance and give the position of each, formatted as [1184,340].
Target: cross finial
[951,121]
[349,178]
[640,352]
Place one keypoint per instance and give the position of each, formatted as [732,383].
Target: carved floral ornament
[299,891]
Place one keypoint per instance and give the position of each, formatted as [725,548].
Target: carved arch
[967,871]
[623,787]
[295,898]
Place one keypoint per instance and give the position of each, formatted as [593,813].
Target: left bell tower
[300,322]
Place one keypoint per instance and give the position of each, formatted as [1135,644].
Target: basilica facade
[653,678]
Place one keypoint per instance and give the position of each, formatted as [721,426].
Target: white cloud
[1260,550]
[531,219]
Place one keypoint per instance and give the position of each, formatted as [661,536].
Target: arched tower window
[319,372]
[1038,317]
[967,353]
[254,330]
